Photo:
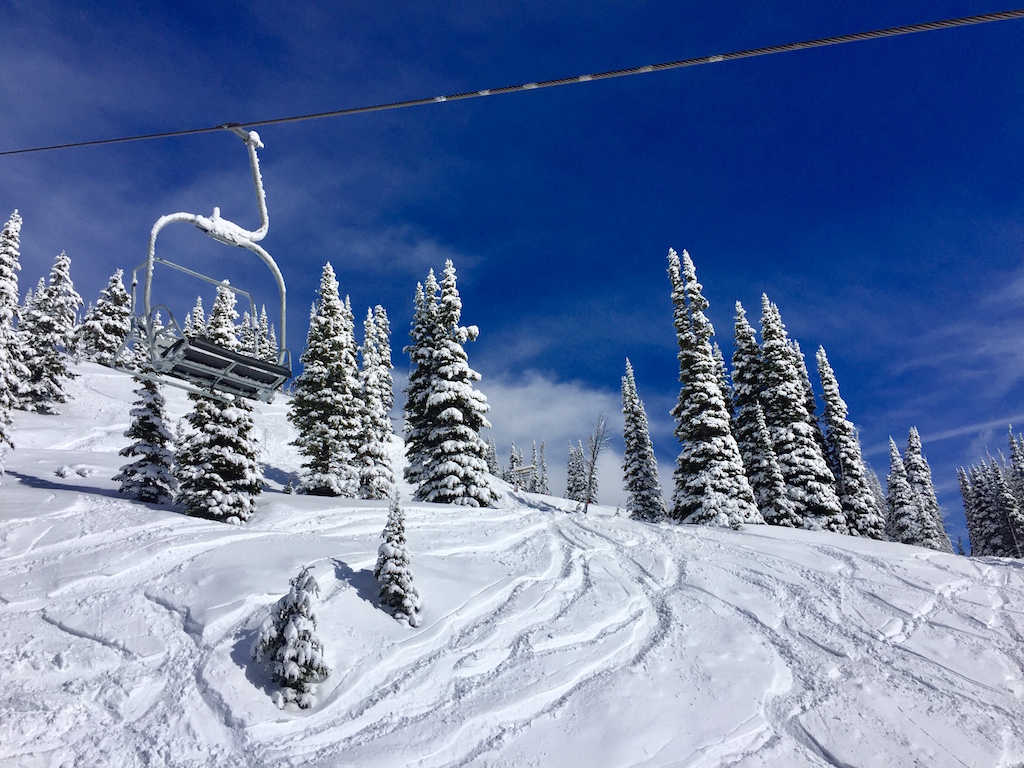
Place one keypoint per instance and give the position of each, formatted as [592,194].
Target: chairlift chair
[195,364]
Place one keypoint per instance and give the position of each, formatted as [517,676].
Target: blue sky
[874,191]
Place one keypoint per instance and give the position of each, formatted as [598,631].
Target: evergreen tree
[107,324]
[46,329]
[515,465]
[327,405]
[531,485]
[150,477]
[919,475]
[967,494]
[711,487]
[875,486]
[995,522]
[810,484]
[858,502]
[723,378]
[198,320]
[542,474]
[288,642]
[63,302]
[456,467]
[906,522]
[393,570]
[746,380]
[766,478]
[421,372]
[382,329]
[376,478]
[640,469]
[267,350]
[12,371]
[492,457]
[247,343]
[216,464]
[575,474]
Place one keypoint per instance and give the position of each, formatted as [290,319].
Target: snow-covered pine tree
[421,373]
[766,477]
[327,403]
[393,570]
[711,487]
[998,517]
[919,475]
[639,467]
[746,381]
[906,521]
[263,346]
[216,464]
[150,477]
[198,326]
[456,468]
[104,329]
[531,481]
[382,330]
[810,483]
[376,478]
[492,457]
[47,331]
[12,371]
[288,643]
[542,473]
[723,379]
[515,465]
[247,344]
[875,486]
[575,474]
[862,515]
[967,494]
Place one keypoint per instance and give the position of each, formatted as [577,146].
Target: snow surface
[548,638]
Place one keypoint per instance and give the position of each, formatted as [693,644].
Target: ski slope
[549,638]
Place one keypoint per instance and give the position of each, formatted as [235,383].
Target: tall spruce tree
[216,464]
[542,473]
[746,380]
[150,476]
[575,474]
[48,330]
[906,521]
[421,372]
[810,483]
[12,371]
[104,328]
[919,475]
[455,471]
[376,478]
[492,457]
[639,467]
[711,487]
[859,506]
[326,407]
[766,477]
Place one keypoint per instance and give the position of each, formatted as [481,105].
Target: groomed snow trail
[549,638]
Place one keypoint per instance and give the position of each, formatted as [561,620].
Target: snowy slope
[548,638]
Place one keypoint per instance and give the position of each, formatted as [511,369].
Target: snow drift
[547,638]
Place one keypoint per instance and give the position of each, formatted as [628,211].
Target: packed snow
[547,637]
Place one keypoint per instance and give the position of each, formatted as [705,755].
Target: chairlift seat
[211,366]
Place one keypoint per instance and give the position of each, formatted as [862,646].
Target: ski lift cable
[908,29]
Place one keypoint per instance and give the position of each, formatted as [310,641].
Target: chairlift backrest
[200,365]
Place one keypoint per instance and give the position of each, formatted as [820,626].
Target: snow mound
[547,637]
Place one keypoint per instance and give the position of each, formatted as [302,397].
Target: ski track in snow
[549,638]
